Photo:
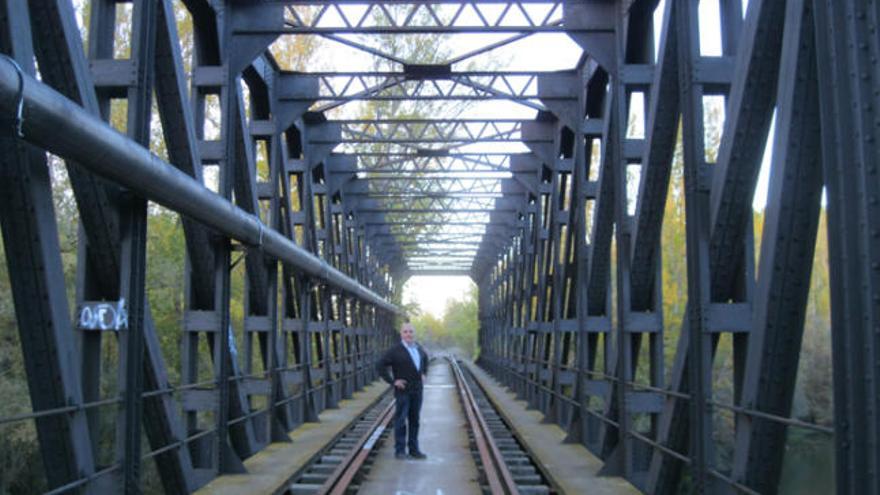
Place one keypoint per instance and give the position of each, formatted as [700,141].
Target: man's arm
[383,365]
[426,360]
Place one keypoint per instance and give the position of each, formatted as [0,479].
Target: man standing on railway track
[409,366]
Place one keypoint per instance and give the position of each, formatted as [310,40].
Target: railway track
[339,468]
[504,466]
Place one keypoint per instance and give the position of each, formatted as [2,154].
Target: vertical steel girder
[233,443]
[33,256]
[700,343]
[133,255]
[790,225]
[846,48]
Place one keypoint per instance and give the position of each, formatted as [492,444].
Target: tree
[461,321]
[456,330]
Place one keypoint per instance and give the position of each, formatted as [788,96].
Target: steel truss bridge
[569,277]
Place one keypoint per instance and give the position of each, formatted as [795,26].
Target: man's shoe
[399,455]
[417,455]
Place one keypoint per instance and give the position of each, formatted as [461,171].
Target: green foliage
[456,330]
[21,467]
[813,390]
[20,464]
[165,283]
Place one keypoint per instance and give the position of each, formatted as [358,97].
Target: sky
[433,292]
[541,52]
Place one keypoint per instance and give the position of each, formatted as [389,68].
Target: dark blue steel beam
[735,179]
[697,229]
[599,254]
[63,66]
[789,239]
[33,256]
[847,48]
[133,252]
[662,125]
[181,143]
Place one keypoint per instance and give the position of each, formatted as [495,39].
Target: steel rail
[498,475]
[92,143]
[341,478]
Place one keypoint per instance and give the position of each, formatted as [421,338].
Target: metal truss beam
[35,273]
[430,131]
[444,272]
[156,179]
[845,48]
[792,218]
[423,17]
[443,161]
[527,88]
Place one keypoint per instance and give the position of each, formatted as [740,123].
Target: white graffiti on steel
[104,316]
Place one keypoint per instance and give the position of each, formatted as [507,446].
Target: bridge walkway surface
[449,468]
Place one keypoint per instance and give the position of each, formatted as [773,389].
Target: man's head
[407,333]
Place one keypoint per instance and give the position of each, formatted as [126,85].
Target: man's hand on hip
[400,384]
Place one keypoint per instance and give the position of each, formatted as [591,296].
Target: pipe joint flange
[18,120]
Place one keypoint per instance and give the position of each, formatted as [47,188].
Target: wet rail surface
[470,448]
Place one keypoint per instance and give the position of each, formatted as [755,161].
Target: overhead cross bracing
[459,132]
[426,160]
[307,195]
[428,168]
[423,16]
[421,82]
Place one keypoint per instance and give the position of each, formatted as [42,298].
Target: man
[409,366]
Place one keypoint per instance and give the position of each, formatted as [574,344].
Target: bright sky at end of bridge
[432,293]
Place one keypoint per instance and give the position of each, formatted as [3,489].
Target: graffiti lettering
[103,316]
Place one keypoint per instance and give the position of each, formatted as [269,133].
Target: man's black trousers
[407,408]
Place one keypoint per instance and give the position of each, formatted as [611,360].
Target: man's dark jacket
[402,366]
